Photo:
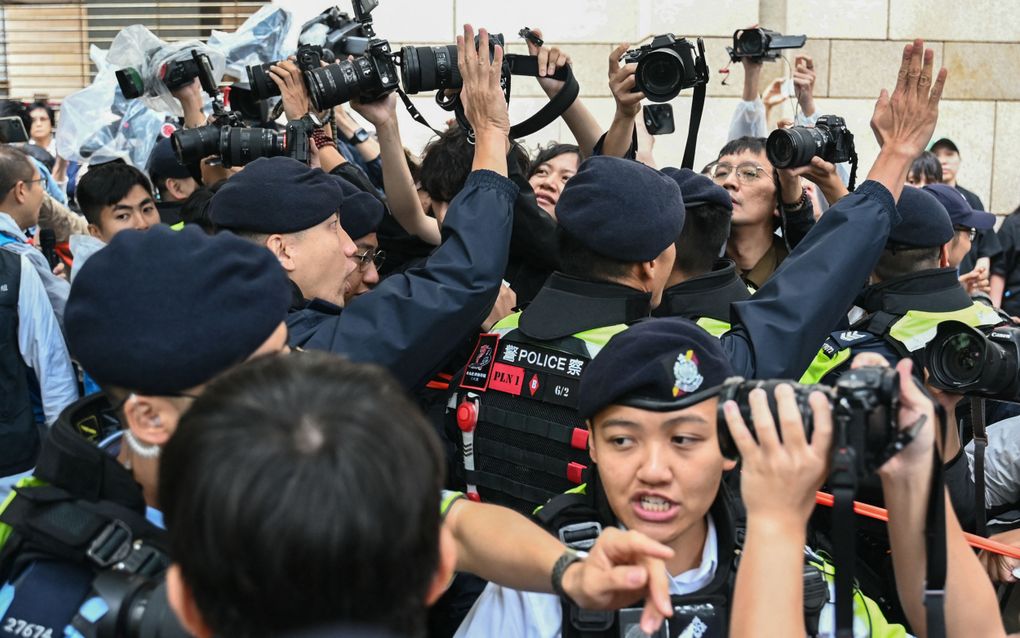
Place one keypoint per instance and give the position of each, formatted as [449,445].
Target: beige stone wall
[856,45]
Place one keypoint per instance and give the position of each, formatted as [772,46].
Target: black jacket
[567,305]
[411,321]
[708,295]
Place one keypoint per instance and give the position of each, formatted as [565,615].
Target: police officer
[412,321]
[362,214]
[152,317]
[702,286]
[172,181]
[651,402]
[915,289]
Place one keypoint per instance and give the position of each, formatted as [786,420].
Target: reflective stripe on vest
[917,328]
[595,339]
[868,617]
[713,327]
[914,330]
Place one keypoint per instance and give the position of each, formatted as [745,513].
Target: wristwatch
[568,558]
[359,136]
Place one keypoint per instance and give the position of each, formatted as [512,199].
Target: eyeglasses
[972,233]
[378,257]
[25,181]
[747,172]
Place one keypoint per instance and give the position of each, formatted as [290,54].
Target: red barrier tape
[878,513]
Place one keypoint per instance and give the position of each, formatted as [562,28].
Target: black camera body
[173,74]
[667,66]
[762,45]
[308,57]
[237,145]
[966,360]
[368,77]
[864,403]
[828,139]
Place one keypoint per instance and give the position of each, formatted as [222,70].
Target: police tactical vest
[19,436]
[521,441]
[706,299]
[906,334]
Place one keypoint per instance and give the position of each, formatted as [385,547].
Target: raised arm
[628,104]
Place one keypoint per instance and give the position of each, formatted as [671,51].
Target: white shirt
[510,613]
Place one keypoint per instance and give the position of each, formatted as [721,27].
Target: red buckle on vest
[467,415]
[579,439]
[474,496]
[575,472]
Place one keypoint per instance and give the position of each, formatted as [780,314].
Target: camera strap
[697,107]
[935,542]
[977,418]
[843,482]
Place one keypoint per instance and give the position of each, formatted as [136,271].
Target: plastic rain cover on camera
[136,47]
[269,34]
[99,124]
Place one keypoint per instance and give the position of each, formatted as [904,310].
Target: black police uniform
[705,299]
[410,322]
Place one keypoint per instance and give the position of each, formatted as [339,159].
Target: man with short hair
[116,196]
[21,197]
[173,181]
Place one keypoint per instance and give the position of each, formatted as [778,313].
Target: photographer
[292,209]
[778,481]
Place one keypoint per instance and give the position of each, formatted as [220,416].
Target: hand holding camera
[482,96]
[622,82]
[550,59]
[290,81]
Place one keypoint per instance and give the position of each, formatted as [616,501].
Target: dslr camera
[370,76]
[237,145]
[173,74]
[864,403]
[762,44]
[965,360]
[828,139]
[331,35]
[667,66]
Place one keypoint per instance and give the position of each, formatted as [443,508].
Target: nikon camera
[667,66]
[864,403]
[828,139]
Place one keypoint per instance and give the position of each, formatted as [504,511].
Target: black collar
[707,295]
[933,290]
[567,305]
[298,302]
[71,462]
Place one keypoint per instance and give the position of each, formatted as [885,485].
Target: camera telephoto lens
[192,145]
[660,75]
[261,83]
[787,148]
[962,358]
[240,146]
[429,68]
[337,83]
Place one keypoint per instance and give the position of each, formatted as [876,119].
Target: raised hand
[621,83]
[550,60]
[288,77]
[904,121]
[804,83]
[482,98]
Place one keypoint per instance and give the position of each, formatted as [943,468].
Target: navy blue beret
[697,189]
[276,195]
[163,163]
[160,311]
[621,209]
[960,211]
[924,222]
[656,364]
[360,212]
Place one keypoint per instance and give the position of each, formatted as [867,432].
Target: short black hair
[900,261]
[552,151]
[577,260]
[105,185]
[928,166]
[195,209]
[446,164]
[706,228]
[15,166]
[46,107]
[15,108]
[304,490]
[741,144]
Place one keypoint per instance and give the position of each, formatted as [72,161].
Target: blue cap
[657,364]
[959,209]
[621,209]
[924,222]
[361,212]
[276,195]
[160,311]
[697,189]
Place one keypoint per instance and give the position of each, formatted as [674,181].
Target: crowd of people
[484,393]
